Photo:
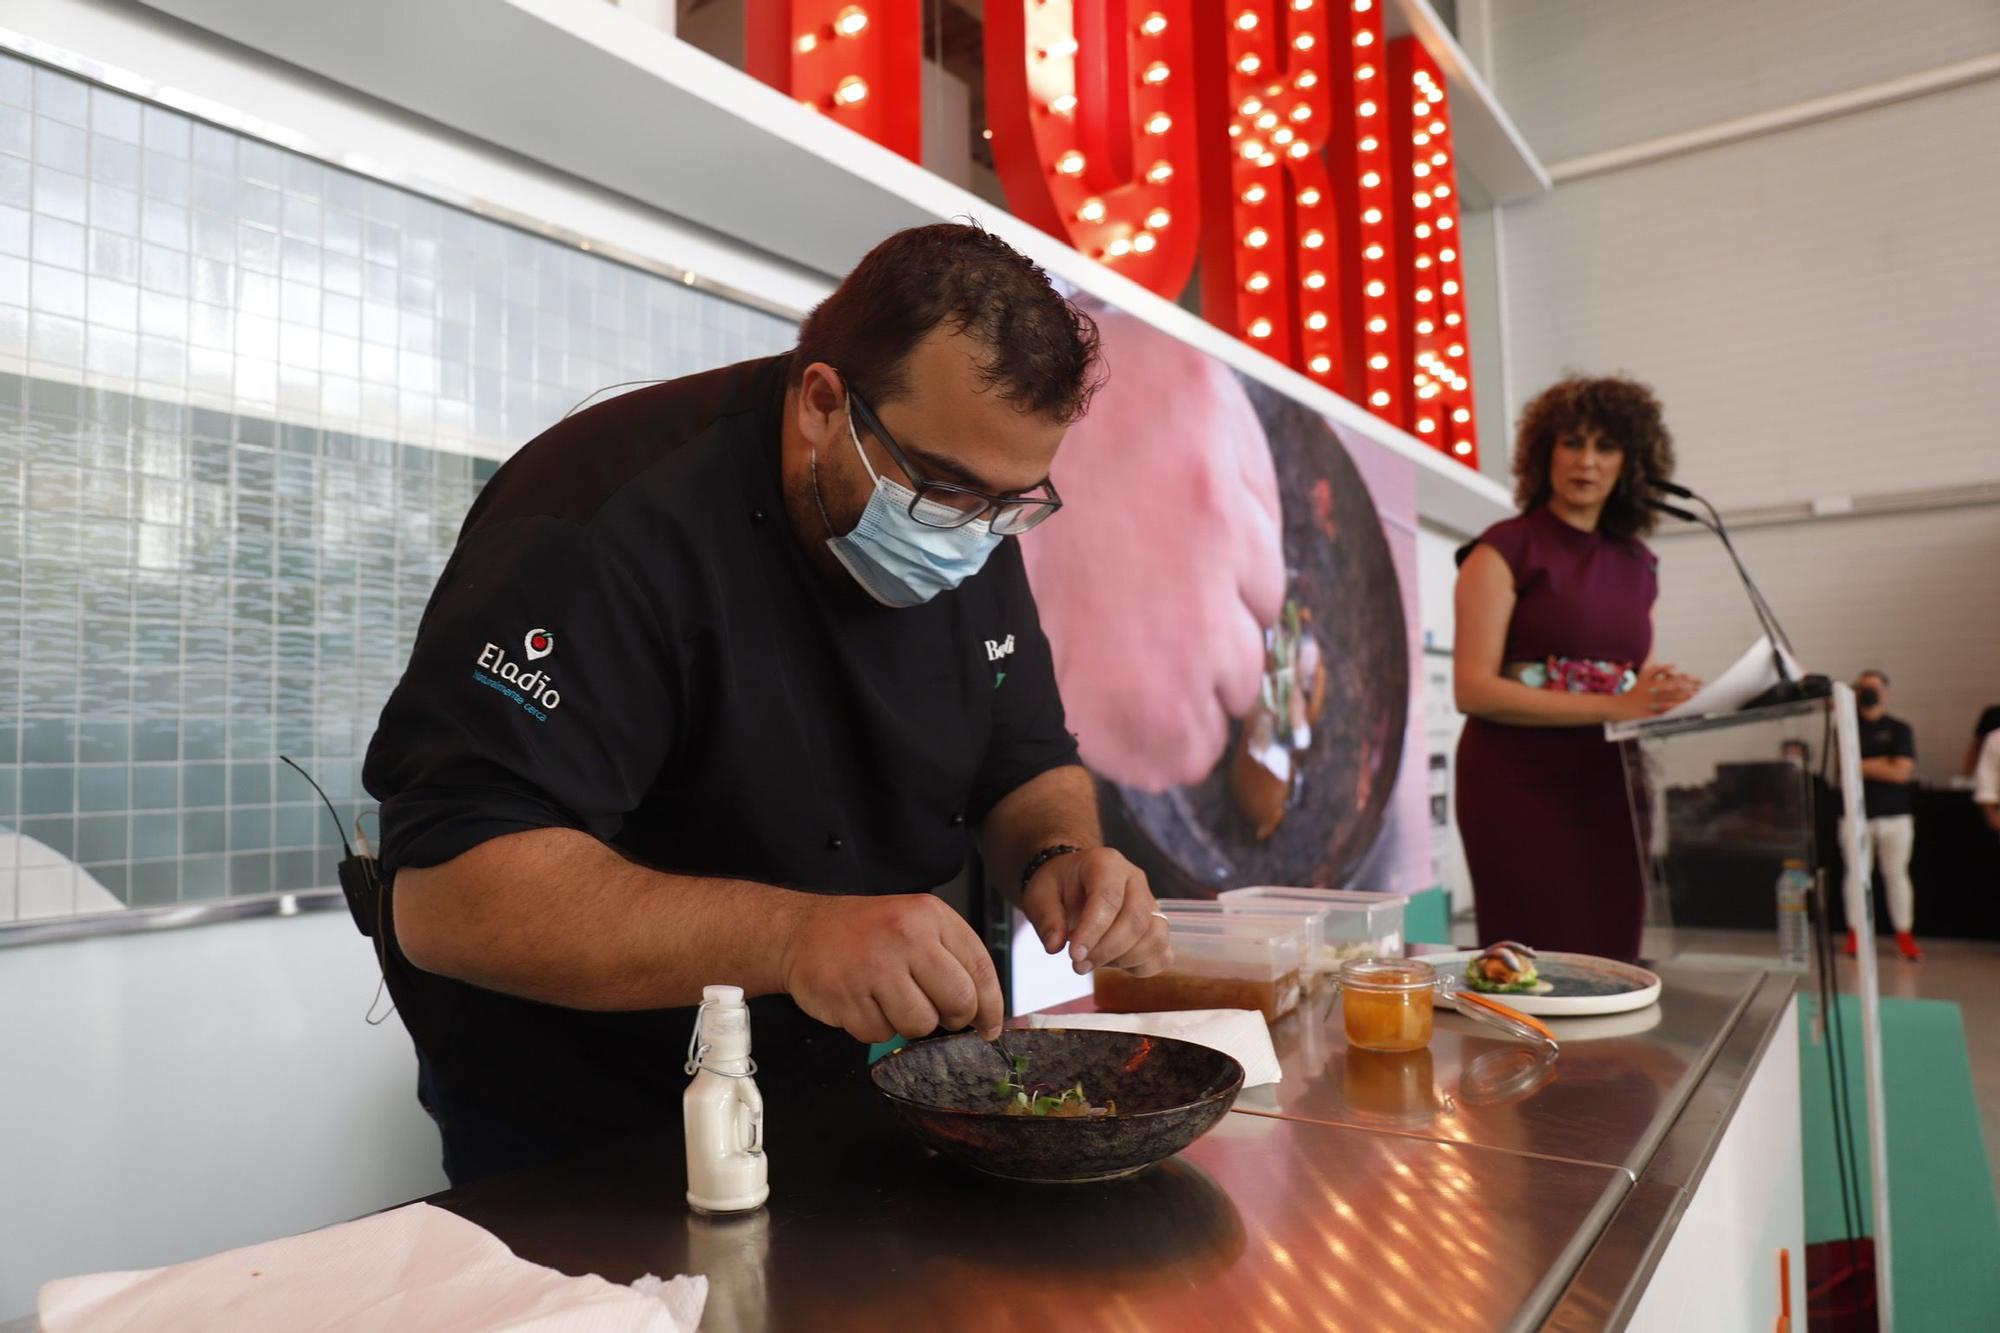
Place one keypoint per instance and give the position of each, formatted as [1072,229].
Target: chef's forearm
[1058,806]
[557,916]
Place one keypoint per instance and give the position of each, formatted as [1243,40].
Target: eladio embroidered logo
[533,690]
[539,643]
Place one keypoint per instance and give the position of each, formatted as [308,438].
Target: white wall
[1814,306]
[170,1095]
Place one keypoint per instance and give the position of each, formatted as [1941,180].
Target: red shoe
[1853,945]
[1906,944]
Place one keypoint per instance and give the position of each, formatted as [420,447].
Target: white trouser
[1895,837]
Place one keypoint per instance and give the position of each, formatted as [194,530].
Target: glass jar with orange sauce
[1388,1003]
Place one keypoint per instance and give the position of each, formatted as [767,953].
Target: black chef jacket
[1887,738]
[629,640]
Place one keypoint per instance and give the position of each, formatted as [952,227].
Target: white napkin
[417,1267]
[1241,1033]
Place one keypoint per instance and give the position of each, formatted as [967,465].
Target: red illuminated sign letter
[860,64]
[1092,108]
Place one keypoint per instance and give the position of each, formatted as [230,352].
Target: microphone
[1788,687]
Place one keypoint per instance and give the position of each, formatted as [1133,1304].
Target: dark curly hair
[1041,351]
[1627,414]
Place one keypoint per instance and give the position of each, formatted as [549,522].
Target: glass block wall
[245,400]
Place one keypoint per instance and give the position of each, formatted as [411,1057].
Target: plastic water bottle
[1794,933]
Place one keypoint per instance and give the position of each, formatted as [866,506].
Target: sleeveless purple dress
[1547,828]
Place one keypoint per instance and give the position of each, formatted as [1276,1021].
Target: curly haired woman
[1555,638]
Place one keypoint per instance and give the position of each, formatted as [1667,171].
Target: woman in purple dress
[1554,639]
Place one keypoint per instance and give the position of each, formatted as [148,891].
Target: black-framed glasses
[946,504]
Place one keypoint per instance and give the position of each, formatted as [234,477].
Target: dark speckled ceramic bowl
[1169,1093]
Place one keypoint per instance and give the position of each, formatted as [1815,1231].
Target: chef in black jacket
[723,676]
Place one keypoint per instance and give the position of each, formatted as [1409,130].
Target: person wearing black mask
[1888,774]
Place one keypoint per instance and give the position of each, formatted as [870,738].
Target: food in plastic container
[1356,925]
[1308,918]
[1248,965]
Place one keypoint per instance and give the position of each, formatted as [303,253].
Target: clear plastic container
[1249,964]
[1308,918]
[1357,925]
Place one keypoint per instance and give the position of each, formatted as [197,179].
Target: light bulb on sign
[1283,136]
[1372,216]
[1235,130]
[1300,149]
[1421,168]
[1363,6]
[1157,72]
[1378,325]
[1461,415]
[1447,255]
[1259,282]
[1376,289]
[1423,231]
[1425,326]
[1378,362]
[851,21]
[1154,25]
[1161,173]
[1159,123]
[1307,79]
[1370,144]
[1434,94]
[1268,160]
[1267,121]
[1302,112]
[1303,42]
[1253,149]
[1425,358]
[1308,197]
[1462,448]
[1420,138]
[1249,64]
[1144,242]
[1427,425]
[808,44]
[1439,159]
[1361,75]
[1260,328]
[1379,398]
[1254,195]
[1092,211]
[1064,48]
[1251,106]
[1423,200]
[1322,364]
[852,91]
[1456,349]
[1371,179]
[1437,127]
[1423,261]
[1453,320]
[1120,248]
[1442,191]
[1366,109]
[1364,38]
[1373,252]
[1445,224]
[1461,384]
[1424,296]
[1314,239]
[1070,163]
[1257,238]
[1158,218]
[1315,280]
[1316,321]
[1246,21]
[1063,105]
[1449,288]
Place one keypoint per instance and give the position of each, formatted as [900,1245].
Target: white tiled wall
[245,400]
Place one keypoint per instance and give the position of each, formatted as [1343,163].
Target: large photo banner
[1231,605]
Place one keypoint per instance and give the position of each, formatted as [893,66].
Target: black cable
[1849,1168]
[339,832]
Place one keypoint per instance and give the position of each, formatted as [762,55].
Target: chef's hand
[1100,905]
[897,964]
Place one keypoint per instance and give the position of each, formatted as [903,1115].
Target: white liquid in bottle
[722,1112]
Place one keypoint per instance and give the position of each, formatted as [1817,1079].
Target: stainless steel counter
[1451,1192]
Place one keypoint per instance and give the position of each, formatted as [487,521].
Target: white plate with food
[1549,985]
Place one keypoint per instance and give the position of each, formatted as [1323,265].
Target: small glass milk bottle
[722,1112]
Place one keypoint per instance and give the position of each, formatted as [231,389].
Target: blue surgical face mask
[897,560]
